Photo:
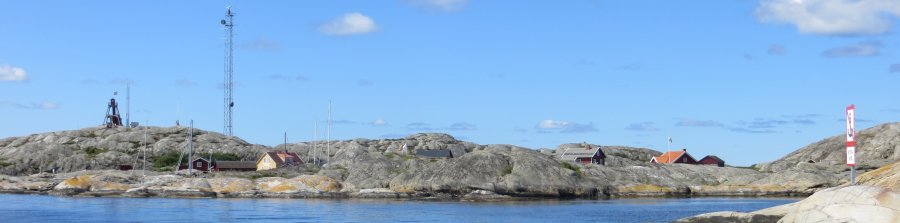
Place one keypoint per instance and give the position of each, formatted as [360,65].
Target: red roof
[281,157]
[669,157]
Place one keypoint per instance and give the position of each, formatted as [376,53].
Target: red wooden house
[586,155]
[200,164]
[674,157]
[712,160]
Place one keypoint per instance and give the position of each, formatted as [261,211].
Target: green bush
[220,156]
[572,167]
[93,151]
[168,159]
[508,170]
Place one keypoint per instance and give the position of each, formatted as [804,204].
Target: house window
[684,160]
[198,164]
[266,160]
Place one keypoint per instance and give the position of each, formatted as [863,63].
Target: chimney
[684,150]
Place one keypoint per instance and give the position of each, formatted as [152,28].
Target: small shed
[234,165]
[674,157]
[435,154]
[585,155]
[712,160]
[200,164]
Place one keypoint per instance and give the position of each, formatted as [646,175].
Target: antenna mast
[228,22]
[128,104]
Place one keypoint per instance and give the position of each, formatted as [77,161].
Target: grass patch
[93,151]
[390,156]
[508,170]
[571,166]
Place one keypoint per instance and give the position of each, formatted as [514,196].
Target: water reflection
[32,208]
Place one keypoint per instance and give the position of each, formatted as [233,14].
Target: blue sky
[746,80]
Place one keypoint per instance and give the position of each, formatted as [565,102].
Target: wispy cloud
[520,130]
[755,125]
[550,125]
[44,105]
[776,49]
[12,74]
[462,126]
[261,44]
[392,136]
[365,82]
[349,24]
[631,67]
[894,68]
[862,49]
[185,83]
[343,122]
[443,5]
[858,120]
[419,126]
[277,77]
[829,17]
[751,131]
[642,127]
[806,119]
[686,122]
[123,81]
[302,78]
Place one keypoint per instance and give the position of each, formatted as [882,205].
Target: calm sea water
[42,208]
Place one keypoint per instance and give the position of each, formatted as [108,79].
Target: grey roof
[715,158]
[573,153]
[235,164]
[437,153]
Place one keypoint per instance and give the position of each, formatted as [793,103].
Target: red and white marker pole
[851,142]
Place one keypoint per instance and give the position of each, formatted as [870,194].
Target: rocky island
[85,163]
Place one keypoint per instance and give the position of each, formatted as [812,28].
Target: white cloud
[12,74]
[832,17]
[349,24]
[44,105]
[564,127]
[445,5]
[552,124]
[378,122]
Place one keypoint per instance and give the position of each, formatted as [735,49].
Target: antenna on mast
[228,22]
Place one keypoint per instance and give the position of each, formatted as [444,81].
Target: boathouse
[584,155]
[712,160]
[234,165]
[277,159]
[681,156]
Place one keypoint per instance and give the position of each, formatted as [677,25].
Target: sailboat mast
[328,140]
[191,149]
[144,156]
[315,144]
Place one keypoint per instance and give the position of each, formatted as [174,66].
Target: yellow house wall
[266,163]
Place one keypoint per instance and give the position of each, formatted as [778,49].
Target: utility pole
[228,22]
